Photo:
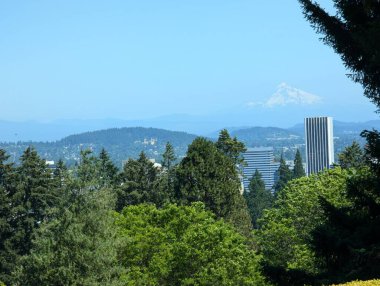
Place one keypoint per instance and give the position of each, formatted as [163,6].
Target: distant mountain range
[204,126]
[128,142]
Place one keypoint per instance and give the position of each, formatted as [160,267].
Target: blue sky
[143,59]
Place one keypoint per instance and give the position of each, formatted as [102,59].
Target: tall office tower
[261,159]
[319,144]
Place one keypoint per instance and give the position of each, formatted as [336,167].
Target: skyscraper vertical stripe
[319,144]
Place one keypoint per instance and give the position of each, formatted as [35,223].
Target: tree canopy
[184,246]
[286,230]
[208,175]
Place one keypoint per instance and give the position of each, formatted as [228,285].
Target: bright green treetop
[183,246]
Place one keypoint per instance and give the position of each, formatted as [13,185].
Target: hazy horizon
[251,63]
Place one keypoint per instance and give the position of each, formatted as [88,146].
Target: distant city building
[50,165]
[260,159]
[319,144]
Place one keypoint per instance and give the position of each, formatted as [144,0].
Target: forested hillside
[121,143]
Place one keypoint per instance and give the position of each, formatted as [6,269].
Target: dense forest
[185,223]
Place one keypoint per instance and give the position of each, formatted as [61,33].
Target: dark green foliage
[61,175]
[230,147]
[351,157]
[349,242]
[207,175]
[76,248]
[139,183]
[7,255]
[168,158]
[33,199]
[184,246]
[284,176]
[354,34]
[88,170]
[298,170]
[167,176]
[257,197]
[27,200]
[108,173]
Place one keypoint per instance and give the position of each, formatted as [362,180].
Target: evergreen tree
[230,147]
[257,197]
[108,172]
[298,170]
[168,158]
[207,175]
[167,176]
[7,253]
[33,200]
[351,157]
[349,242]
[284,176]
[61,175]
[76,248]
[140,179]
[354,34]
[88,170]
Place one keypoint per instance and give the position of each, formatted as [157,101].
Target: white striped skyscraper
[319,144]
[260,159]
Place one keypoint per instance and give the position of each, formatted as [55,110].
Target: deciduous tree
[184,245]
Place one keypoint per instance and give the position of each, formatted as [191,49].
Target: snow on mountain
[288,95]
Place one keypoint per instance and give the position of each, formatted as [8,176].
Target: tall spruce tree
[88,170]
[76,248]
[231,147]
[33,200]
[61,175]
[298,170]
[7,253]
[108,172]
[168,158]
[139,182]
[284,176]
[257,197]
[167,176]
[208,175]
